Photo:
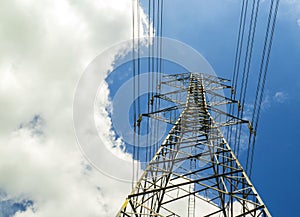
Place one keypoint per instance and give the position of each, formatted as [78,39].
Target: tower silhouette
[194,172]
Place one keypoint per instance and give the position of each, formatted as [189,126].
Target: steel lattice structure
[194,172]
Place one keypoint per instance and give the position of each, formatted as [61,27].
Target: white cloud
[39,169]
[291,10]
[280,97]
[266,103]
[45,46]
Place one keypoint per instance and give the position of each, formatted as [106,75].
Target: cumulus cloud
[39,169]
[291,8]
[45,46]
[266,103]
[280,97]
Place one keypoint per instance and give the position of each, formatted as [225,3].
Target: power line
[149,85]
[139,81]
[241,73]
[258,88]
[134,103]
[264,80]
[247,63]
[237,62]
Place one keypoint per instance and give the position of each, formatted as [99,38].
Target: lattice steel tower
[194,172]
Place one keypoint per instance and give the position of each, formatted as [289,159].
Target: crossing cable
[133,94]
[161,41]
[264,78]
[238,69]
[161,4]
[247,63]
[237,57]
[157,39]
[153,76]
[234,71]
[158,62]
[259,85]
[237,128]
[139,80]
[156,122]
[148,149]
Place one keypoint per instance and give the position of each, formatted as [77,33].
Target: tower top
[194,172]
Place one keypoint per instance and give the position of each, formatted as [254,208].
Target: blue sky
[211,28]
[46,46]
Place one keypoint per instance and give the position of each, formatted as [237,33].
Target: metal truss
[194,172]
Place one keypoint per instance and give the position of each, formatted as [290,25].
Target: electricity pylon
[194,172]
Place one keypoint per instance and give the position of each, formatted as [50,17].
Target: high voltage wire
[148,94]
[259,85]
[247,64]
[242,66]
[153,78]
[240,108]
[240,78]
[139,81]
[134,92]
[155,13]
[274,14]
[236,62]
[158,60]
[160,3]
[245,75]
